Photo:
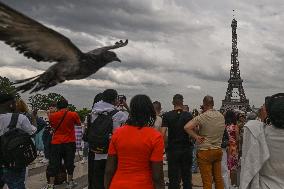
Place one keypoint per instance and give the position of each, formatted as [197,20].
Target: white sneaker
[71,184]
[49,186]
[44,160]
[41,154]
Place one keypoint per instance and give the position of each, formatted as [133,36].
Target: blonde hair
[21,106]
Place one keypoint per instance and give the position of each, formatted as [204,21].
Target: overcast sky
[175,46]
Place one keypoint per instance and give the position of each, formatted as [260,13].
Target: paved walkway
[37,178]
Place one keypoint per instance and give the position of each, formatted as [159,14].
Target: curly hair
[142,111]
[230,117]
[21,106]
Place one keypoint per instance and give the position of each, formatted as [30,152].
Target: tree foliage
[38,102]
[83,113]
[42,101]
[72,108]
[6,86]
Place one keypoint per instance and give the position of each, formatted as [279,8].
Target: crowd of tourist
[126,146]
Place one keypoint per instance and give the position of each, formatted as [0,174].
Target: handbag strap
[60,122]
[14,121]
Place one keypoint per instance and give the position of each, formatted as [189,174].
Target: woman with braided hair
[135,155]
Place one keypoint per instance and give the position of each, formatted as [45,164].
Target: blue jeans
[194,159]
[14,178]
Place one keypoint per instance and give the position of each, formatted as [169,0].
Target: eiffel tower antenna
[235,96]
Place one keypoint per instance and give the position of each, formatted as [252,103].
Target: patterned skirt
[233,157]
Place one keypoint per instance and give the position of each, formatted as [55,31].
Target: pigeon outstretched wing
[41,43]
[35,40]
[106,48]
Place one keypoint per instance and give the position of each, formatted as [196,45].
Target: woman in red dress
[135,157]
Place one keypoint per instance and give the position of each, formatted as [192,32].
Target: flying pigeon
[41,43]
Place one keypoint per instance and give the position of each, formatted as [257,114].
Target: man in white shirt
[107,104]
[14,178]
[158,122]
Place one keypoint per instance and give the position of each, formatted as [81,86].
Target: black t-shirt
[175,121]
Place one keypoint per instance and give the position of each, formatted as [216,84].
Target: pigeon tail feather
[25,80]
[31,83]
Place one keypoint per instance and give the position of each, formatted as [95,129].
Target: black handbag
[225,139]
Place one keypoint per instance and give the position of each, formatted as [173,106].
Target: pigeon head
[109,56]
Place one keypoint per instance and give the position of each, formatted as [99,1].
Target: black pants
[58,152]
[2,183]
[179,168]
[91,158]
[97,170]
[46,139]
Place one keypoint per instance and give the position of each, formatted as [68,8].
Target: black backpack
[99,132]
[17,148]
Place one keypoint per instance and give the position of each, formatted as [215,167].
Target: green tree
[53,97]
[71,107]
[38,102]
[6,86]
[42,101]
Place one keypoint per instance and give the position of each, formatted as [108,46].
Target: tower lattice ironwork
[235,96]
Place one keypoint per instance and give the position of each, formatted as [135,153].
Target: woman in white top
[264,145]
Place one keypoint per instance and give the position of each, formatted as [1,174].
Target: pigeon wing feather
[118,44]
[35,40]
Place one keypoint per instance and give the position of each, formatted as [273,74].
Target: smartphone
[121,98]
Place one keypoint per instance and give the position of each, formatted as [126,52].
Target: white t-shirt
[23,123]
[158,123]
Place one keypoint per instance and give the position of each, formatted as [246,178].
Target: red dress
[135,148]
[233,156]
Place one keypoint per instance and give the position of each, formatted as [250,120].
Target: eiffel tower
[235,96]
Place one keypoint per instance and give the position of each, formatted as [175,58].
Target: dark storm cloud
[122,18]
